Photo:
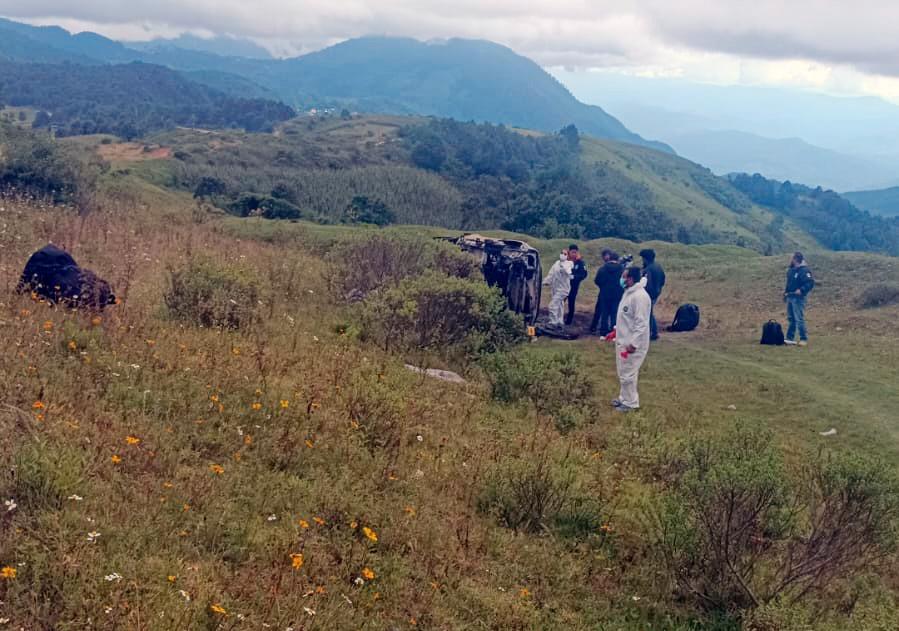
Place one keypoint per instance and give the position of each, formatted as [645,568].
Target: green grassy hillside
[320,164]
[291,474]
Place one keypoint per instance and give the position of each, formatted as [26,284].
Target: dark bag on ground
[52,274]
[772,334]
[686,319]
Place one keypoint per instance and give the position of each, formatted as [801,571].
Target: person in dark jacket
[608,279]
[578,274]
[655,281]
[799,283]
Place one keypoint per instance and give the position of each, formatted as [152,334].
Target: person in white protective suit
[631,338]
[559,281]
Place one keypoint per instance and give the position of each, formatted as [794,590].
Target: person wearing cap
[655,281]
[631,338]
[578,274]
[799,283]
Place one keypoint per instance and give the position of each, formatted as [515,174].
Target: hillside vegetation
[234,445]
[467,176]
[130,100]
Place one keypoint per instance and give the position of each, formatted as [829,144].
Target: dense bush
[209,294]
[368,211]
[371,262]
[250,204]
[35,164]
[441,314]
[739,530]
[556,384]
[879,295]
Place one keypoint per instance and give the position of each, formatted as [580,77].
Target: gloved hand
[611,336]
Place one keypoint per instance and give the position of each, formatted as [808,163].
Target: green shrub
[250,204]
[880,295]
[208,294]
[33,163]
[527,495]
[370,211]
[739,530]
[368,263]
[441,314]
[556,384]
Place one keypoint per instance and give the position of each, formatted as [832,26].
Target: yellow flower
[217,469]
[132,440]
[73,345]
[309,443]
[525,592]
[409,511]
[296,560]
[285,404]
[606,528]
[256,406]
[8,573]
[167,485]
[368,574]
[172,578]
[235,351]
[151,342]
[319,521]
[116,459]
[48,325]
[216,608]
[304,524]
[247,440]
[96,320]
[314,405]
[214,398]
[370,534]
[38,405]
[354,524]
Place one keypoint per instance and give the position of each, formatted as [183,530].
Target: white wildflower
[75,498]
[272,518]
[10,505]
[92,536]
[115,576]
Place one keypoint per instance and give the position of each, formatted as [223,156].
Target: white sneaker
[790,342]
[803,343]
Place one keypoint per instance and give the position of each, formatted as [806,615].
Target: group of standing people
[624,309]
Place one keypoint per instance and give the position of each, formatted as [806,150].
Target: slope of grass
[166,476]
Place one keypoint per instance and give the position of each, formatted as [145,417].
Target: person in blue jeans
[655,281]
[799,283]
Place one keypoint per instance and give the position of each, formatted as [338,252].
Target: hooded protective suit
[559,281]
[632,329]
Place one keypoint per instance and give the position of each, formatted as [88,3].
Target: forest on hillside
[830,218]
[129,101]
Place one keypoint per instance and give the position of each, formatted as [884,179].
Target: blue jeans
[796,317]
[653,325]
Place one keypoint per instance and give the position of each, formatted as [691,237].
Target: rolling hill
[883,202]
[463,79]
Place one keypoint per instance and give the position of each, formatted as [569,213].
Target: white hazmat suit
[559,281]
[632,330]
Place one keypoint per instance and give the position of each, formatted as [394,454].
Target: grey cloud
[574,33]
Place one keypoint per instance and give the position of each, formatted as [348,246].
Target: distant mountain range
[883,202]
[843,143]
[463,79]
[222,45]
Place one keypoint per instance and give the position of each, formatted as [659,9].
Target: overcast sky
[831,45]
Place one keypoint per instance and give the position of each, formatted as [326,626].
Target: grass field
[288,475]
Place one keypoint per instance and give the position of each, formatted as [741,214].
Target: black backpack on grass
[686,319]
[772,334]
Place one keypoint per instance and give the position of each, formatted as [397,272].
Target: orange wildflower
[8,573]
[368,574]
[217,469]
[370,534]
[116,459]
[296,560]
[132,440]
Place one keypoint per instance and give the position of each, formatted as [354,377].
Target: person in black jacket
[578,273]
[608,279]
[799,283]
[655,281]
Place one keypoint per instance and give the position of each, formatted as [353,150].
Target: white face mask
[563,257]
